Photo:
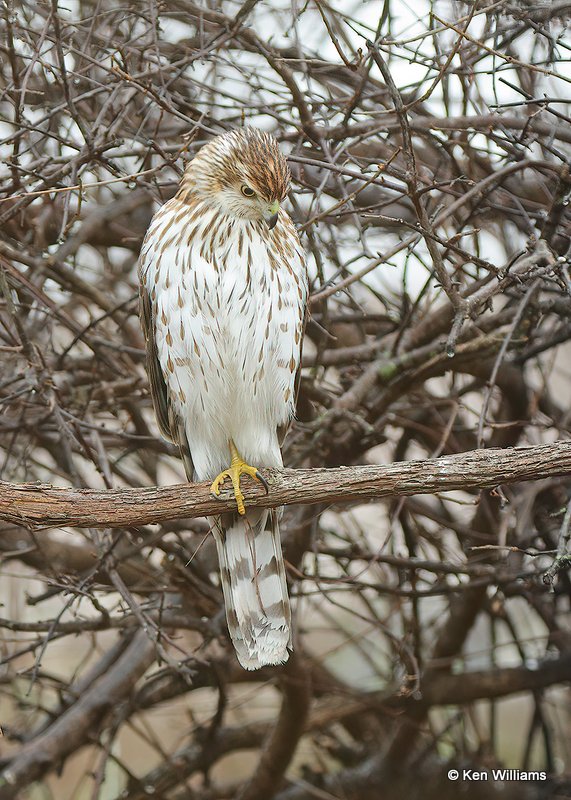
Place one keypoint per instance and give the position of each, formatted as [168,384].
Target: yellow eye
[247,192]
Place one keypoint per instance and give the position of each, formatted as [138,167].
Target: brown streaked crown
[242,156]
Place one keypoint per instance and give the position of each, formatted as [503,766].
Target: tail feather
[255,588]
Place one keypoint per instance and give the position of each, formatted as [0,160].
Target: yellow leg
[237,468]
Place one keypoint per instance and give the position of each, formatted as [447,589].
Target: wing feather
[283,429]
[170,424]
[159,391]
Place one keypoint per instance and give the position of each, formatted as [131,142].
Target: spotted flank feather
[253,580]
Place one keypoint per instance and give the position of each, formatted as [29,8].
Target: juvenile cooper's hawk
[223,296]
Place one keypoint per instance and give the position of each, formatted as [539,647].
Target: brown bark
[43,505]
[73,728]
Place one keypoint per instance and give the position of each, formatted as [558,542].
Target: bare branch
[44,506]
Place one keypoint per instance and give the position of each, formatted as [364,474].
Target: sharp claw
[263,481]
[215,487]
[237,468]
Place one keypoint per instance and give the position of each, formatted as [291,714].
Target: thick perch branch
[43,505]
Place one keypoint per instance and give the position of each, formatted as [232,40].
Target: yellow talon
[237,468]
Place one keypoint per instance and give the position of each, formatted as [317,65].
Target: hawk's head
[243,173]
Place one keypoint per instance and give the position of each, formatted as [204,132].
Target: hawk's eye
[247,192]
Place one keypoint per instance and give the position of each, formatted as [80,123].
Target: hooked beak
[271,215]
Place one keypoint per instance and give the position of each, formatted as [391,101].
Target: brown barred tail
[254,584]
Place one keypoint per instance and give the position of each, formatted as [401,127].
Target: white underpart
[236,384]
[233,372]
